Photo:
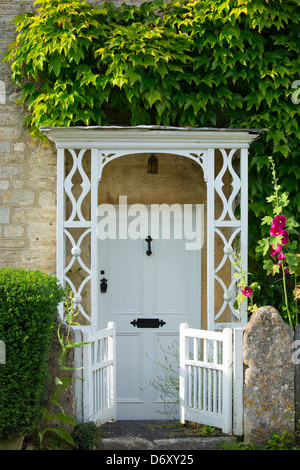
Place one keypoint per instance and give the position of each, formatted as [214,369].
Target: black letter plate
[147,323]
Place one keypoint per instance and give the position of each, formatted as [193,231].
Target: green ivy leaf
[152,96]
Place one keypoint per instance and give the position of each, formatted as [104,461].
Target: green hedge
[28,309]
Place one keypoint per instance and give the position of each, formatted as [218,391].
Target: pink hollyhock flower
[276,231]
[285,237]
[281,255]
[286,271]
[279,221]
[247,291]
[277,249]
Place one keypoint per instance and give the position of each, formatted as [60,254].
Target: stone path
[157,435]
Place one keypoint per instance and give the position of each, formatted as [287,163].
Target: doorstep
[136,443]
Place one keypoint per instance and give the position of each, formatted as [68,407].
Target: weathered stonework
[269,376]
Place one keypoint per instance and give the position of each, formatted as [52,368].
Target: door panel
[129,368]
[123,253]
[171,277]
[165,285]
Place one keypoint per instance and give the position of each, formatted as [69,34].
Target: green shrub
[85,435]
[28,309]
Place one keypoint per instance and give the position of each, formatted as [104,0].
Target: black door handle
[148,240]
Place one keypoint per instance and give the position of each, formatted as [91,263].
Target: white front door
[148,296]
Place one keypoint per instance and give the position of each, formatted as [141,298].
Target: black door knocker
[148,240]
[103,285]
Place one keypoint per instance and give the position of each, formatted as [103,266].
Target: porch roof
[151,137]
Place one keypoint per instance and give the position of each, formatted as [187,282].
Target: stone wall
[269,377]
[27,173]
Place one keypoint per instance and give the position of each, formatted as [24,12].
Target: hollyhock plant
[276,250]
[281,243]
[279,221]
[285,237]
[247,291]
[276,231]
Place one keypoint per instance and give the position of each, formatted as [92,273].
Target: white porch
[77,217]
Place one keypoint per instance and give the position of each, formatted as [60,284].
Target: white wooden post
[227,381]
[210,227]
[238,381]
[95,278]
[244,169]
[183,351]
[60,220]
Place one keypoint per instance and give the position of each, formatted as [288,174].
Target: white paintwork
[164,286]
[149,138]
[108,143]
[97,386]
[206,377]
[238,382]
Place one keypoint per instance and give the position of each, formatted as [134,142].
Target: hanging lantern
[152,165]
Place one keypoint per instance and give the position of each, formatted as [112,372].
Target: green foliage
[28,310]
[85,435]
[50,413]
[278,441]
[180,63]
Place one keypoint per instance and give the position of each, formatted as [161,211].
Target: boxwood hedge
[28,309]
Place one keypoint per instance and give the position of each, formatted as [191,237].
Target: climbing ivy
[213,63]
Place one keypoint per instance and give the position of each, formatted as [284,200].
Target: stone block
[20,197]
[47,198]
[11,171]
[4,147]
[269,376]
[10,133]
[4,215]
[12,231]
[4,184]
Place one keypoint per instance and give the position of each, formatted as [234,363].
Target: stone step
[187,443]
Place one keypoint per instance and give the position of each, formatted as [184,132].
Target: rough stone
[4,215]
[269,377]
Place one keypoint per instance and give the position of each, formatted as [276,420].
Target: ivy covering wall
[220,63]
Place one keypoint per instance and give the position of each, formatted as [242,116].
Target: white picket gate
[211,378]
[98,384]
